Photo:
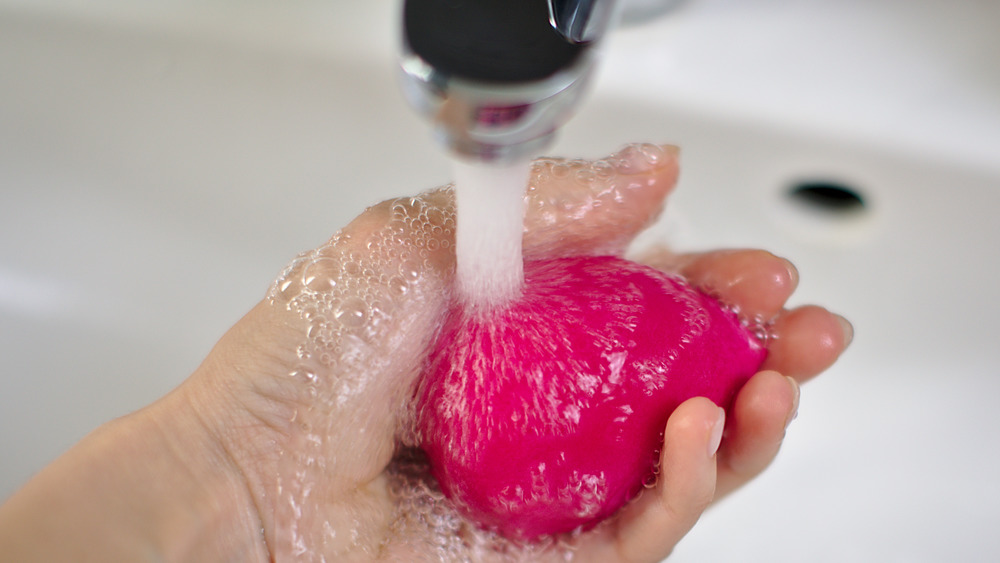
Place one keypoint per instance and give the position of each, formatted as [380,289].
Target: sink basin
[161,163]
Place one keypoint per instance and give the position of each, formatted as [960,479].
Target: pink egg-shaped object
[546,415]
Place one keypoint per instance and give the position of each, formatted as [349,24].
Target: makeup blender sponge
[547,415]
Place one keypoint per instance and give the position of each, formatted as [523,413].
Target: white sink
[160,162]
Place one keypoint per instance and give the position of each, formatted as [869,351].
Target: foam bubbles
[336,287]
[348,294]
[426,521]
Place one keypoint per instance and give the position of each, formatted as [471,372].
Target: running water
[489,199]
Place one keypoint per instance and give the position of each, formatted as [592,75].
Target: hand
[281,445]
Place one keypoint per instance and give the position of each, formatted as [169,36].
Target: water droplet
[649,481]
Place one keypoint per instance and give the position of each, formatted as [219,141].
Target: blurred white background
[161,161]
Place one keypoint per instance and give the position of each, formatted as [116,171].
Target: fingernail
[638,158]
[715,438]
[848,329]
[793,413]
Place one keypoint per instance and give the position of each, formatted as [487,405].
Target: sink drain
[827,197]
[822,210]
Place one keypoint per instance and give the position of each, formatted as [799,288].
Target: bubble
[410,270]
[762,333]
[654,154]
[381,310]
[352,313]
[319,329]
[320,275]
[426,520]
[289,289]
[435,217]
[586,176]
[603,169]
[303,373]
[330,251]
[649,481]
[398,286]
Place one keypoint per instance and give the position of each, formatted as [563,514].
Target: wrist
[150,485]
[207,511]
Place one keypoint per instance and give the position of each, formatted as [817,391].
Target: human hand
[298,410]
[345,383]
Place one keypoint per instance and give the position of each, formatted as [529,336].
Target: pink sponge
[547,415]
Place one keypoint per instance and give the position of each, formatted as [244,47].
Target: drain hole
[827,197]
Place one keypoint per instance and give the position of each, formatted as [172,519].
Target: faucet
[498,77]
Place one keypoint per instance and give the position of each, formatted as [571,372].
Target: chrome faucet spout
[498,77]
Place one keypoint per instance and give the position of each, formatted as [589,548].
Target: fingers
[649,528]
[758,419]
[803,341]
[579,207]
[807,340]
[757,282]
